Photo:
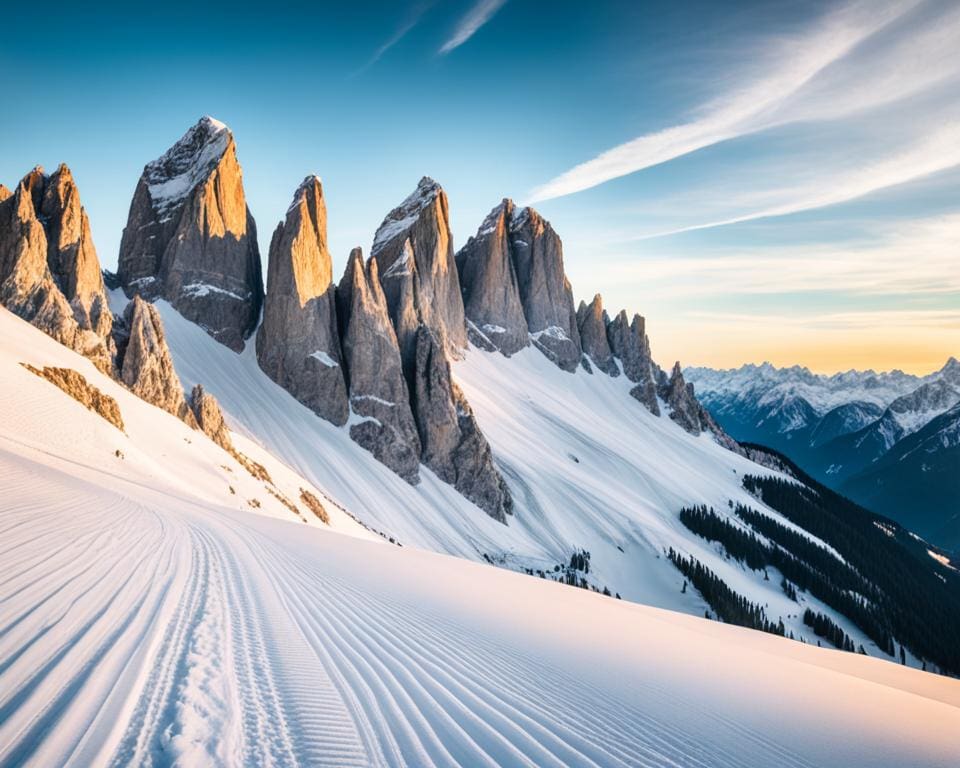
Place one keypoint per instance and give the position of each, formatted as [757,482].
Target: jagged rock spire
[298,343]
[381,420]
[29,289]
[488,281]
[145,364]
[545,292]
[453,445]
[592,323]
[684,407]
[5,193]
[71,254]
[629,342]
[190,237]
[413,248]
[209,416]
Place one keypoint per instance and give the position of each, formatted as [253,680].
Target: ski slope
[147,620]
[589,468]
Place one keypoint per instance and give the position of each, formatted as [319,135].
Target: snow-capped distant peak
[173,175]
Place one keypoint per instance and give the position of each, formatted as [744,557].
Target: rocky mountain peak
[191,239]
[545,292]
[5,193]
[298,342]
[628,341]
[592,324]
[684,407]
[488,282]
[206,409]
[413,249]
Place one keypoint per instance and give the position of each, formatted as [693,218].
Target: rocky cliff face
[298,343]
[452,444]
[29,238]
[592,324]
[545,292]
[191,239]
[144,361]
[209,417]
[629,342]
[413,249]
[488,280]
[380,419]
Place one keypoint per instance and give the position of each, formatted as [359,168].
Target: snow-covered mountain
[836,427]
[207,564]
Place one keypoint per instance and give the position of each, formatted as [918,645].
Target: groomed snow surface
[150,616]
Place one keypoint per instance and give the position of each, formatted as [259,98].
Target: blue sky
[763,180]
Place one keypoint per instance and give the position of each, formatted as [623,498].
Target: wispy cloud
[413,18]
[467,27]
[761,102]
[931,153]
[916,258]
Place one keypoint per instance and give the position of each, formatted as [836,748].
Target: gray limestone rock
[488,281]
[592,324]
[209,416]
[453,445]
[190,237]
[144,361]
[629,342]
[545,292]
[413,248]
[29,289]
[380,420]
[298,343]
[679,396]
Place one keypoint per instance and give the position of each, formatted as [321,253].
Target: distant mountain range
[887,440]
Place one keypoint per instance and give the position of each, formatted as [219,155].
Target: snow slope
[589,468]
[147,618]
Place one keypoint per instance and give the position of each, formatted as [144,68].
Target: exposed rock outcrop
[488,281]
[452,444]
[592,324]
[209,417]
[629,342]
[298,343]
[545,292]
[27,286]
[76,385]
[144,361]
[679,396]
[190,237]
[381,420]
[4,193]
[413,249]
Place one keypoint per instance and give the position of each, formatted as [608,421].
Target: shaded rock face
[413,249]
[29,289]
[592,324]
[209,417]
[545,292]
[380,417]
[298,342]
[191,239]
[679,396]
[144,361]
[629,342]
[488,281]
[452,444]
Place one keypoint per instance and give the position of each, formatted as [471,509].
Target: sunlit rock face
[592,323]
[190,237]
[49,273]
[298,343]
